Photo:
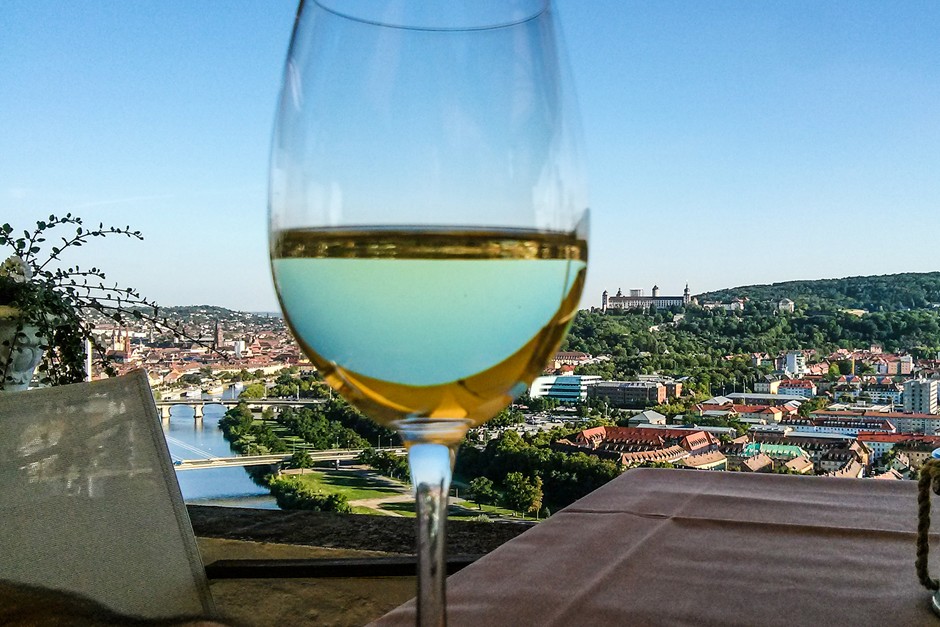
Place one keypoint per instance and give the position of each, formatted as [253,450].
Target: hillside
[888,292]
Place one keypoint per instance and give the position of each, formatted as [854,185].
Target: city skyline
[742,144]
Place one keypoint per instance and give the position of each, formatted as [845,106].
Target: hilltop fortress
[638,300]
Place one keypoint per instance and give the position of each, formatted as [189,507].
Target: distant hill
[204,314]
[888,292]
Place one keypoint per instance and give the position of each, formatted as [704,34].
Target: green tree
[864,368]
[319,431]
[506,418]
[236,420]
[522,494]
[300,459]
[812,405]
[845,366]
[253,391]
[294,493]
[541,403]
[239,427]
[387,463]
[482,490]
[649,464]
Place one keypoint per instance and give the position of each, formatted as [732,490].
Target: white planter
[25,352]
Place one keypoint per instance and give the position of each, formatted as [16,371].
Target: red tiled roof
[703,459]
[609,437]
[796,383]
[571,355]
[671,454]
[756,462]
[896,438]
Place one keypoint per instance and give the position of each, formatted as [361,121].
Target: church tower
[604,301]
[217,337]
[686,295]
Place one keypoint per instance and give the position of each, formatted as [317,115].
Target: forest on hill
[889,292]
[714,346]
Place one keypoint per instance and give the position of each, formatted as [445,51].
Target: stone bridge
[199,405]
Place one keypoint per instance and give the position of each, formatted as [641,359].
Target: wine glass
[428,219]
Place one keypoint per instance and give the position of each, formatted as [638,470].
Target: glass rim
[540,7]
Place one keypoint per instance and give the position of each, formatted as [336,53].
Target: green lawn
[292,441]
[404,509]
[352,485]
[461,511]
[357,487]
[359,509]
[470,509]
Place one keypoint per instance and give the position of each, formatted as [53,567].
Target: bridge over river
[199,405]
[207,460]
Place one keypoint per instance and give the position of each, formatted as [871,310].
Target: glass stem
[431,466]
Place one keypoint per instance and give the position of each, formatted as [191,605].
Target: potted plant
[45,308]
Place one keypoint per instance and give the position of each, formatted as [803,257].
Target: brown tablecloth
[680,547]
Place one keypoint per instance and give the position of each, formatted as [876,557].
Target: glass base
[432,447]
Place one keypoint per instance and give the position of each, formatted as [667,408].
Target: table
[686,547]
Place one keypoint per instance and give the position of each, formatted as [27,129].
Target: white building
[920,396]
[646,418]
[638,300]
[795,363]
[241,349]
[797,387]
[885,393]
[768,385]
[569,388]
[736,304]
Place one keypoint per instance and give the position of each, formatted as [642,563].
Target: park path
[403,490]
[398,498]
[374,503]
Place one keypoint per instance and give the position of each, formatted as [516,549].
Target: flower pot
[19,356]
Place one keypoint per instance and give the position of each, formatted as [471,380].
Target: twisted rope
[929,480]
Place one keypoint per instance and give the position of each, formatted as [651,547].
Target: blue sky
[727,142]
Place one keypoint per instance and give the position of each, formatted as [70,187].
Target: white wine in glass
[446,325]
[428,220]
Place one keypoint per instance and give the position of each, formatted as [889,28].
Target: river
[189,439]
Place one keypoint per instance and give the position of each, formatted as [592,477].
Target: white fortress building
[638,300]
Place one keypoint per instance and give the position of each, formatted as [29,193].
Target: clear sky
[727,142]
